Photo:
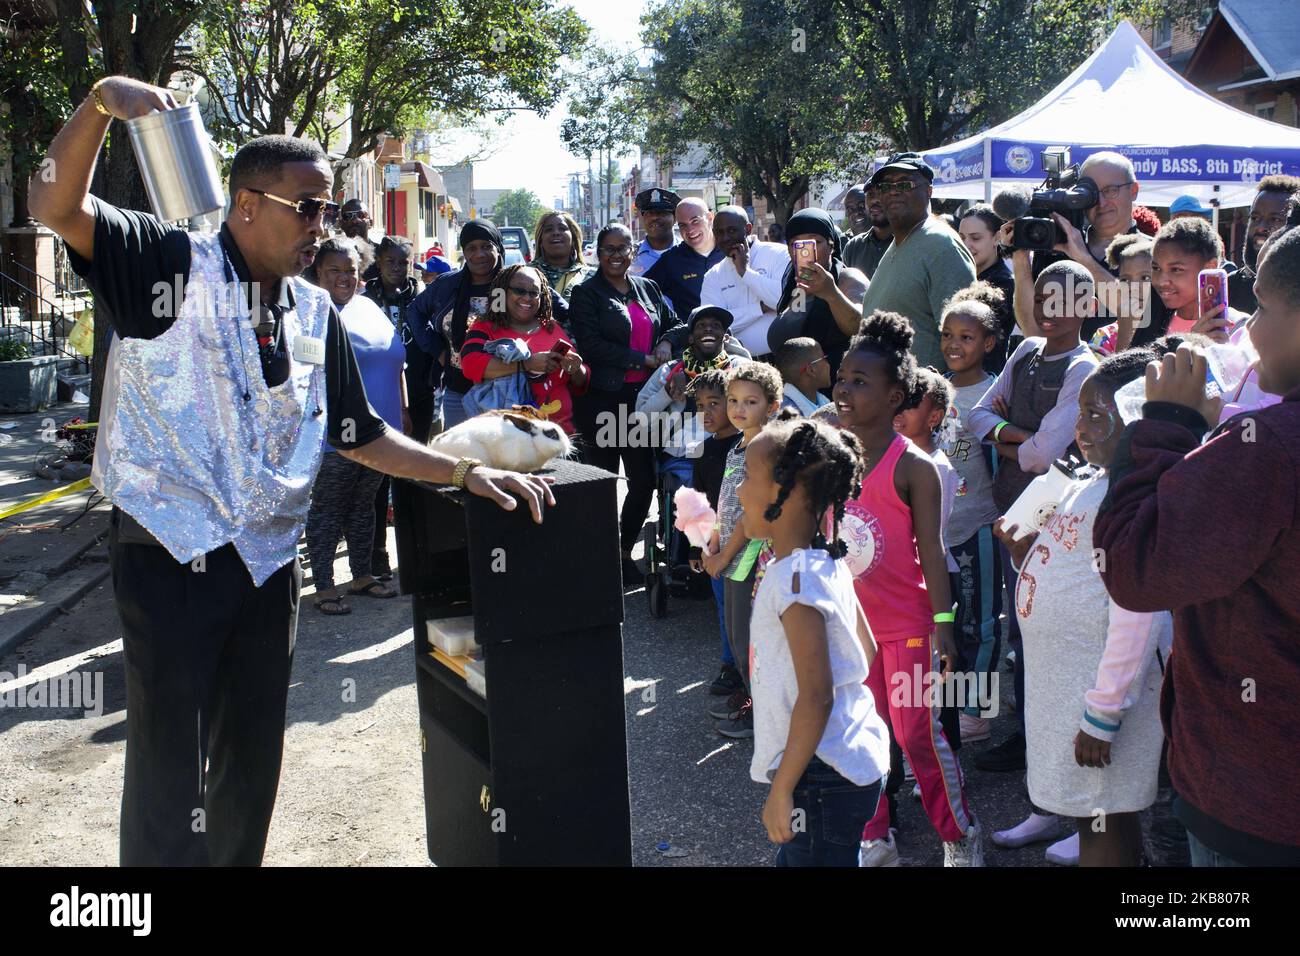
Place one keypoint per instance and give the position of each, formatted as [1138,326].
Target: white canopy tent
[1181,140]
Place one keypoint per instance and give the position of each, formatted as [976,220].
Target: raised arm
[62,200]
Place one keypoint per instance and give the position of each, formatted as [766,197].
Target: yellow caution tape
[49,496]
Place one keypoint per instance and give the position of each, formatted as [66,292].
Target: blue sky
[532,154]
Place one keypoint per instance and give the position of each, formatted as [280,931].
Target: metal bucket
[174,153]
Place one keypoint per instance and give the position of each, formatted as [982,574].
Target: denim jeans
[453,409]
[834,811]
[727,657]
[1202,855]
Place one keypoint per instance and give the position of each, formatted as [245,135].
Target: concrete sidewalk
[52,555]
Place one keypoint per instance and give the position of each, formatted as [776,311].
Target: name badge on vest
[309,350]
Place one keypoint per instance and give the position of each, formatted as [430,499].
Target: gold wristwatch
[463,468]
[98,97]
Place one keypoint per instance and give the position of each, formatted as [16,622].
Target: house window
[1265,110]
[427,212]
[1163,34]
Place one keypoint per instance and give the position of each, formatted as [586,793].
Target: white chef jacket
[752,298]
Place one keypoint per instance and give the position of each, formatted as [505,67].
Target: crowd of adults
[664,325]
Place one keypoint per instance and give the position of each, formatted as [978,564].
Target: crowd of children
[859,555]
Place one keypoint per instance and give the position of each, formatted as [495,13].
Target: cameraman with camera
[1103,190]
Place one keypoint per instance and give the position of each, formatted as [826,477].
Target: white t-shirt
[752,298]
[856,742]
[949,482]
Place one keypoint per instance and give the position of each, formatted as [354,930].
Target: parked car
[516,239]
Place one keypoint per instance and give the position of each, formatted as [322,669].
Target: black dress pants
[207,659]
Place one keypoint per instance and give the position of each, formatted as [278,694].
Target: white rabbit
[516,440]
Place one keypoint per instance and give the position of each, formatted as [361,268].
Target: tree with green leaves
[350,72]
[517,207]
[61,47]
[780,91]
[939,70]
[269,64]
[605,119]
[759,84]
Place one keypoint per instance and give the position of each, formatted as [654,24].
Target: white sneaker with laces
[878,852]
[966,852]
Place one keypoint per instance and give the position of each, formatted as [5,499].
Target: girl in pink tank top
[895,547]
[883,555]
[896,554]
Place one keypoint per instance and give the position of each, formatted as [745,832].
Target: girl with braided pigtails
[893,532]
[818,739]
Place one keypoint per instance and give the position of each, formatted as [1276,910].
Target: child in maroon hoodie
[1212,531]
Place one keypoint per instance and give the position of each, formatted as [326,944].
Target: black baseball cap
[655,199]
[908,162]
[710,311]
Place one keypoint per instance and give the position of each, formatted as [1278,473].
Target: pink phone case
[1212,285]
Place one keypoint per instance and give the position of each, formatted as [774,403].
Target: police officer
[655,206]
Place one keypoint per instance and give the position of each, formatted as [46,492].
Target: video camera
[1063,191]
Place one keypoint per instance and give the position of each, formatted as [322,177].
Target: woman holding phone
[821,297]
[519,307]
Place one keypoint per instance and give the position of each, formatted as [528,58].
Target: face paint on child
[1098,428]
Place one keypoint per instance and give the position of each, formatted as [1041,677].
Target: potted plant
[28,383]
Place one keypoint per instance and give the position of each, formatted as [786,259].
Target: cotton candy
[695,518]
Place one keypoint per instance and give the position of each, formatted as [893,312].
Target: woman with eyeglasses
[616,320]
[520,308]
[343,497]
[557,251]
[441,315]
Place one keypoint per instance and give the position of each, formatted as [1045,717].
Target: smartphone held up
[1213,287]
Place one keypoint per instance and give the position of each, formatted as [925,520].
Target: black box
[536,773]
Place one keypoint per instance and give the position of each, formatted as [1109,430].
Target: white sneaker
[878,852]
[1035,828]
[916,792]
[1064,852]
[968,851]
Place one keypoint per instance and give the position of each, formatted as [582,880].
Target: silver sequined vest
[187,456]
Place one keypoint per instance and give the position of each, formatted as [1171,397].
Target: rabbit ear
[519,421]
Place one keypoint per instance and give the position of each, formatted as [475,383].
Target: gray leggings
[738,603]
[342,507]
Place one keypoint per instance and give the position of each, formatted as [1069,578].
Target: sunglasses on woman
[307,208]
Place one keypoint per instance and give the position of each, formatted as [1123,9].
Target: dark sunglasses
[352,215]
[307,208]
[525,293]
[902,186]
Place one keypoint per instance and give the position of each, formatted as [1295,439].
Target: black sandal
[369,591]
[339,607]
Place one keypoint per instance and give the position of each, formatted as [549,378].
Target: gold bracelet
[463,468]
[99,98]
